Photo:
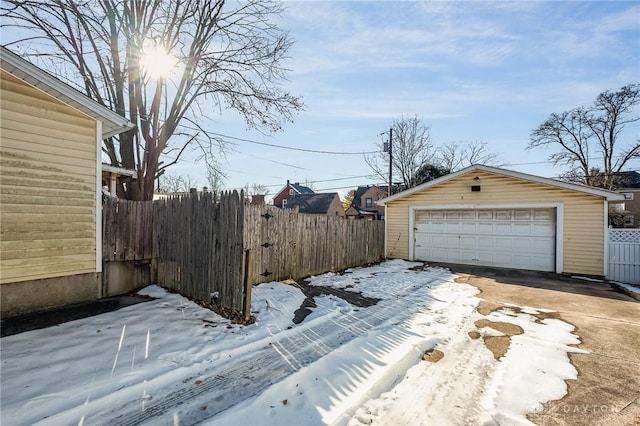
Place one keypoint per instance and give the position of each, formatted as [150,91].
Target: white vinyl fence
[624,256]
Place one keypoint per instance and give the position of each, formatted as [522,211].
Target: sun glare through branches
[157,62]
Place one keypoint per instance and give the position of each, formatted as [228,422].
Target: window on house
[284,202]
[368,202]
[292,192]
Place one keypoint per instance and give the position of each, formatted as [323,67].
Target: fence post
[246,308]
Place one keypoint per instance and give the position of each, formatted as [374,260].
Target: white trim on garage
[386,229]
[605,257]
[559,231]
[607,195]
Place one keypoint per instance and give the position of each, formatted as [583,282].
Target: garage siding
[48,175]
[583,214]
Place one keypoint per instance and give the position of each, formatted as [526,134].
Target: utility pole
[390,191]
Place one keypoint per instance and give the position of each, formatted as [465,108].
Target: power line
[313,151]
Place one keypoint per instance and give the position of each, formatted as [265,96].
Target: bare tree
[411,149]
[259,189]
[458,155]
[588,138]
[222,54]
[170,184]
[215,178]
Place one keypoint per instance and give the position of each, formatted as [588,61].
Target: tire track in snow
[220,387]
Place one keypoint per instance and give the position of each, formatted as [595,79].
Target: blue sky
[473,71]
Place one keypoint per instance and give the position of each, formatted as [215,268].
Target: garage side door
[510,238]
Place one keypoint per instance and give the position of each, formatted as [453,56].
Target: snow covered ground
[169,361]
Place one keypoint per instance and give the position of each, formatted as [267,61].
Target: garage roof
[112,123]
[608,195]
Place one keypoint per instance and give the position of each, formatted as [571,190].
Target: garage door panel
[469,215]
[502,228]
[523,229]
[468,242]
[485,228]
[516,238]
[502,244]
[543,215]
[438,227]
[541,245]
[452,228]
[521,244]
[543,230]
[468,228]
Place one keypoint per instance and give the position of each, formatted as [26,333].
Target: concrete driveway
[607,391]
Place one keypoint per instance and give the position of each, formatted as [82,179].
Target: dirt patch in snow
[311,291]
[474,334]
[503,327]
[499,345]
[485,308]
[433,355]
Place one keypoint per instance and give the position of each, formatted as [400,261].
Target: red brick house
[291,190]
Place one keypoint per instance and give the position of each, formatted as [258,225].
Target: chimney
[257,199]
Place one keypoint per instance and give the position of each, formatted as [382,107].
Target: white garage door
[510,238]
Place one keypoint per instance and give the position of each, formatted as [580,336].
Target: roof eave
[112,123]
[608,195]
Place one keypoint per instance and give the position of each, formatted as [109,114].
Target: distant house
[51,188]
[328,204]
[628,184]
[290,190]
[364,201]
[352,213]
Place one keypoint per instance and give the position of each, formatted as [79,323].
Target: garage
[489,216]
[514,238]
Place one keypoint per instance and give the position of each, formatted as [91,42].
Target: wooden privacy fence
[624,256]
[203,247]
[198,242]
[127,245]
[126,230]
[283,243]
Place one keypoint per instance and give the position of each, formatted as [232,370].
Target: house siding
[48,179]
[375,194]
[583,226]
[336,208]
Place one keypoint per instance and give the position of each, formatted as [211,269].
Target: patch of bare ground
[474,334]
[485,308]
[503,327]
[433,355]
[498,345]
